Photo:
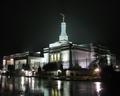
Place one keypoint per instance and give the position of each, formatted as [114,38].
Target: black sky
[32,25]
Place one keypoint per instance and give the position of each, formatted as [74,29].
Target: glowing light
[58,56]
[117,69]
[4,71]
[55,57]
[22,80]
[33,83]
[22,83]
[4,62]
[59,84]
[51,57]
[117,66]
[0,77]
[67,73]
[11,61]
[22,70]
[38,52]
[28,73]
[97,70]
[46,57]
[58,72]
[108,59]
[98,87]
[29,81]
[65,56]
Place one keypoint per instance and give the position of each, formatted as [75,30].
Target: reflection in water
[98,87]
[66,89]
[59,84]
[30,86]
[22,87]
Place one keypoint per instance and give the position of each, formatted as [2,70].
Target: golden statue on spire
[63,16]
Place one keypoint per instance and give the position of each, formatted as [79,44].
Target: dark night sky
[32,25]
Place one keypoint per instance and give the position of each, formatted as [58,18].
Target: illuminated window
[55,57]
[4,62]
[51,57]
[58,56]
[8,62]
[12,61]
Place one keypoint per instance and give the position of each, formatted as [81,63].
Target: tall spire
[63,36]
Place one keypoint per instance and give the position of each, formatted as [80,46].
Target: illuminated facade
[61,52]
[70,55]
[19,59]
[67,53]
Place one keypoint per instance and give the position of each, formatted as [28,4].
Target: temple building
[33,60]
[70,54]
[63,52]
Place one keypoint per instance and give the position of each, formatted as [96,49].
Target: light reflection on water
[98,88]
[30,86]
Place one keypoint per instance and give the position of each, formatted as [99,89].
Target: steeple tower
[63,36]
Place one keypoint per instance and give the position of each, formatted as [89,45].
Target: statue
[62,16]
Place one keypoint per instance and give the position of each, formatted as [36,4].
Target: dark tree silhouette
[52,66]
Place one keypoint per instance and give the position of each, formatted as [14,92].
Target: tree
[11,68]
[52,66]
[26,66]
[39,69]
